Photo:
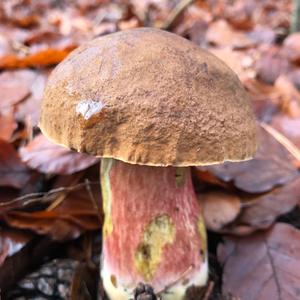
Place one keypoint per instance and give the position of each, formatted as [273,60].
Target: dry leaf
[289,96]
[46,157]
[42,58]
[15,87]
[291,47]
[74,214]
[220,33]
[263,266]
[271,167]
[262,211]
[11,241]
[219,208]
[7,125]
[13,172]
[271,65]
[289,127]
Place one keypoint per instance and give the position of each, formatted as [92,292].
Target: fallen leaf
[272,166]
[7,125]
[261,212]
[46,157]
[238,61]
[219,208]
[15,86]
[262,266]
[74,214]
[220,33]
[289,96]
[28,111]
[13,172]
[289,127]
[42,58]
[291,47]
[11,241]
[240,15]
[271,65]
[294,76]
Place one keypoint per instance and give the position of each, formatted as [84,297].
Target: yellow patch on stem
[159,232]
[106,164]
[202,232]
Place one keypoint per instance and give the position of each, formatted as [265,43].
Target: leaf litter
[44,193]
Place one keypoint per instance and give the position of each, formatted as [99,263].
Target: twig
[284,141]
[93,200]
[209,290]
[175,13]
[42,197]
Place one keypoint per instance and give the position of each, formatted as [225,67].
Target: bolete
[151,104]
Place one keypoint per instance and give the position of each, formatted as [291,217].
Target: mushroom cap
[147,96]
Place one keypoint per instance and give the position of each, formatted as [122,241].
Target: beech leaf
[262,266]
[46,157]
[13,172]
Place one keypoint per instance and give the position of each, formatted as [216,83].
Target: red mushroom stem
[153,230]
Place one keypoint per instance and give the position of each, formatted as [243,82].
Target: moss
[106,165]
[159,232]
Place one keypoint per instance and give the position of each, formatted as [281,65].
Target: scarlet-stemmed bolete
[151,104]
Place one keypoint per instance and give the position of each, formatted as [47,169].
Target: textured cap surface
[146,96]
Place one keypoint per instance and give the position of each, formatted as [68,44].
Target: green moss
[159,232]
[106,165]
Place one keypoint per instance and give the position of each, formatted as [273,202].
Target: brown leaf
[28,111]
[219,208]
[238,61]
[240,14]
[271,167]
[7,125]
[289,96]
[271,65]
[263,266]
[13,172]
[11,241]
[289,127]
[15,86]
[74,213]
[220,33]
[291,47]
[260,212]
[46,157]
[41,58]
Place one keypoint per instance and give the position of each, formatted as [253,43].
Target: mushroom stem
[153,230]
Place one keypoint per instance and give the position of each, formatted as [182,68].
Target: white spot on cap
[88,108]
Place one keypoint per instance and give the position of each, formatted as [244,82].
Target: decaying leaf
[291,47]
[13,172]
[219,208]
[290,127]
[222,34]
[271,65]
[75,212]
[42,155]
[272,166]
[263,266]
[15,86]
[11,241]
[42,58]
[260,212]
[7,125]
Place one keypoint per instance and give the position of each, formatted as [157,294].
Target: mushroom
[151,104]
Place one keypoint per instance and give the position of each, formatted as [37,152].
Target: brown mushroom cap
[149,97]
